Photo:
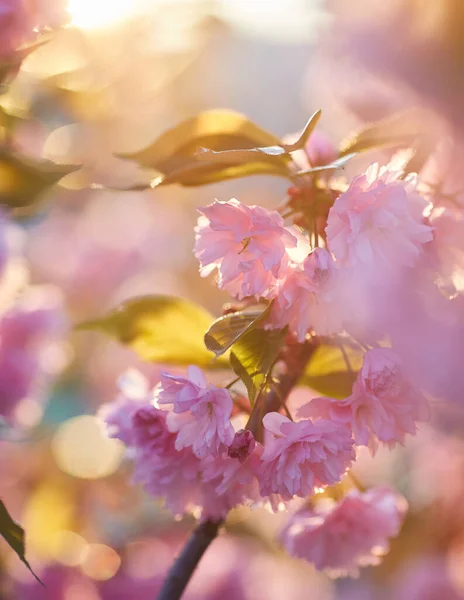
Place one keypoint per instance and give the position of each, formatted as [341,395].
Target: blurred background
[117,76]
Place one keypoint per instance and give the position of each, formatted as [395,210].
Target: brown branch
[187,561]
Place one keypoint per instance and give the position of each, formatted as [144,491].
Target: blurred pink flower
[306,297]
[377,222]
[320,150]
[448,248]
[427,579]
[246,244]
[302,456]
[21,19]
[317,152]
[340,538]
[384,406]
[30,332]
[15,26]
[200,413]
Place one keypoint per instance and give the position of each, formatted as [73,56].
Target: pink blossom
[14,26]
[377,222]
[164,471]
[320,150]
[242,445]
[448,247]
[340,538]
[20,19]
[232,483]
[306,298]
[118,415]
[427,579]
[317,152]
[384,406]
[246,244]
[200,413]
[303,456]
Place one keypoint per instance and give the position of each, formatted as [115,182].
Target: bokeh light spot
[100,562]
[82,449]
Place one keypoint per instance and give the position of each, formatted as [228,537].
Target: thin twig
[345,358]
[187,561]
[233,382]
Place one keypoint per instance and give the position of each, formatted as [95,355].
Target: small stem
[187,561]
[365,347]
[283,404]
[346,359]
[361,487]
[233,382]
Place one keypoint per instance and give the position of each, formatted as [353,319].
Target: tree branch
[187,561]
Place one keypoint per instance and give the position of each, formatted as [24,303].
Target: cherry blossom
[200,413]
[341,537]
[307,297]
[246,244]
[377,222]
[383,407]
[300,457]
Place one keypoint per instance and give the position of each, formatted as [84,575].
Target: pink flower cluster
[191,456]
[384,406]
[378,222]
[341,537]
[374,229]
[181,434]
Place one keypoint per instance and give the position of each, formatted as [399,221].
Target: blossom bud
[242,445]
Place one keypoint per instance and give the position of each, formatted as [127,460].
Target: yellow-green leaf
[217,129]
[227,330]
[200,173]
[402,129]
[328,373]
[161,329]
[24,181]
[253,356]
[306,133]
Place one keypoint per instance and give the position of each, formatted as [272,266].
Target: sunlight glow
[98,14]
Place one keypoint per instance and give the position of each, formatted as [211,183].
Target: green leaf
[215,129]
[160,329]
[14,536]
[227,330]
[306,134]
[23,181]
[402,130]
[327,371]
[253,356]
